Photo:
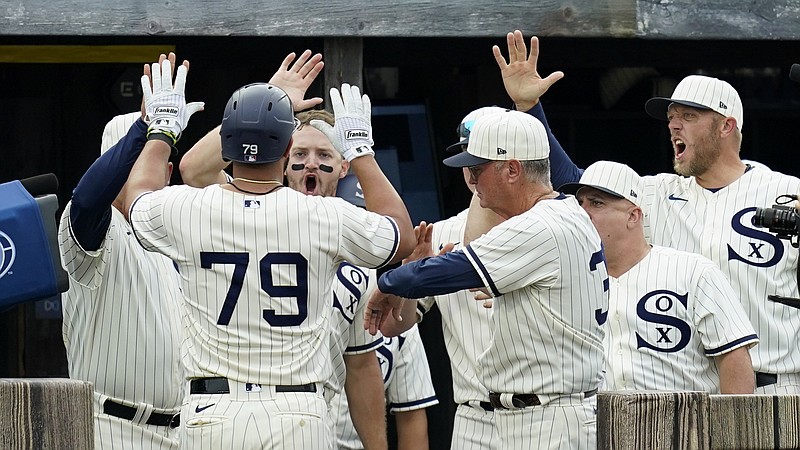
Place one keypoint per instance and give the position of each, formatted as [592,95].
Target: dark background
[53,116]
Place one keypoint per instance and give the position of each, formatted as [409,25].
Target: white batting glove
[352,134]
[165,104]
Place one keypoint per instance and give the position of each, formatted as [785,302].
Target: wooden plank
[344,63]
[46,413]
[81,53]
[719,19]
[652,420]
[465,18]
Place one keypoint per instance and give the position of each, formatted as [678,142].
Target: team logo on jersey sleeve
[759,248]
[664,330]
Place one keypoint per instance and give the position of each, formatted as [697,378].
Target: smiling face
[315,166]
[695,136]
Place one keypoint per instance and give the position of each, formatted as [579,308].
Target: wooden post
[344,63]
[46,413]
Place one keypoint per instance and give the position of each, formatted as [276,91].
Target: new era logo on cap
[504,136]
[702,92]
[612,178]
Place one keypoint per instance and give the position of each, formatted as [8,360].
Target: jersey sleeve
[358,286]
[500,255]
[720,319]
[367,239]
[84,267]
[411,386]
[147,220]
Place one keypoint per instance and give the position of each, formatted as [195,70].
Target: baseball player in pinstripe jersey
[707,207]
[257,262]
[122,326]
[406,374]
[314,168]
[549,279]
[673,322]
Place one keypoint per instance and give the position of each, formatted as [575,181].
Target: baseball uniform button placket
[219,385]
[519,401]
[135,414]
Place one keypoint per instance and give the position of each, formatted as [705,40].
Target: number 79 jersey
[256,274]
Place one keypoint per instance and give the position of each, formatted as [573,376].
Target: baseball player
[257,262]
[314,168]
[672,322]
[707,208]
[546,268]
[122,325]
[405,373]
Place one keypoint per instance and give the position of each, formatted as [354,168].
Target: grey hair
[536,171]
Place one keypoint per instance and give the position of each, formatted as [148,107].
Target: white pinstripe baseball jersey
[257,273]
[466,324]
[683,215]
[406,376]
[549,267]
[122,325]
[348,336]
[667,317]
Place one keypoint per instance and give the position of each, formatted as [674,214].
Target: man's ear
[345,168]
[728,126]
[514,168]
[635,216]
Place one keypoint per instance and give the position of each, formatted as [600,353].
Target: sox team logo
[9,253]
[665,331]
[355,280]
[764,249]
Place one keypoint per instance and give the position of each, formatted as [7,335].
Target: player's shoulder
[693,263]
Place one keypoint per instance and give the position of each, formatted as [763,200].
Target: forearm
[381,197]
[443,274]
[562,169]
[202,165]
[736,374]
[150,173]
[412,430]
[479,220]
[365,396]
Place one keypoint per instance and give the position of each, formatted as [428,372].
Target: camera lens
[780,220]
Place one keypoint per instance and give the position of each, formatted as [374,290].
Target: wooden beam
[82,53]
[344,63]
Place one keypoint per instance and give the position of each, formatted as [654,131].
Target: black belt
[525,400]
[115,409]
[765,379]
[219,385]
[486,406]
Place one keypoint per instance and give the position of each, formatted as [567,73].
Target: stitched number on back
[240,260]
[298,291]
[599,257]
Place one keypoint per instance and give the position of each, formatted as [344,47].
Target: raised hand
[352,134]
[296,79]
[522,81]
[165,102]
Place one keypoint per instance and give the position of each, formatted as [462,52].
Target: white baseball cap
[116,128]
[501,137]
[468,122]
[702,92]
[612,178]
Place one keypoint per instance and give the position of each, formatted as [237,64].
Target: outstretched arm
[520,76]
[202,165]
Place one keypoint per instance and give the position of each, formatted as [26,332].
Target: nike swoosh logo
[673,197]
[198,409]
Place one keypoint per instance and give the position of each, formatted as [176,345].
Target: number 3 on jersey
[599,257]
[240,260]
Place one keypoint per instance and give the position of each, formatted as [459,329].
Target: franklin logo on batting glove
[357,134]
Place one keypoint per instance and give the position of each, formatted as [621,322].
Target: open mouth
[310,184]
[679,147]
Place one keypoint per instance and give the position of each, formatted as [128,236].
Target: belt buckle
[175,422]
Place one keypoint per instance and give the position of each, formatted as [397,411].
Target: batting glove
[352,134]
[165,104]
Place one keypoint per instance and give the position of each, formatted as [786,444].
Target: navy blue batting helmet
[257,125]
